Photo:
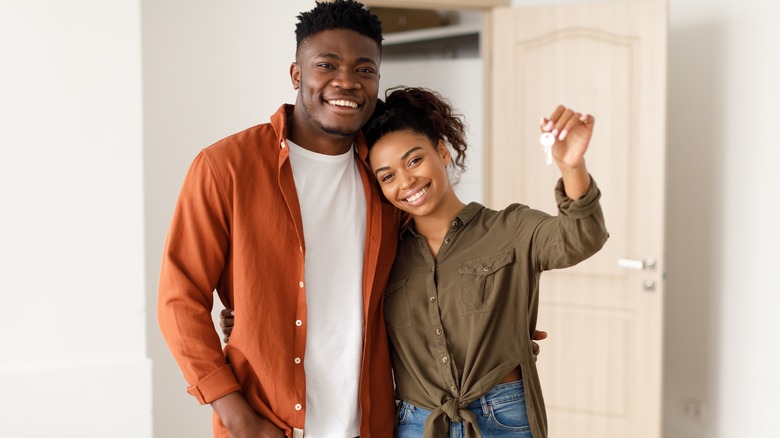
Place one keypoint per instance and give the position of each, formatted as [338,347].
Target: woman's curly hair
[422,111]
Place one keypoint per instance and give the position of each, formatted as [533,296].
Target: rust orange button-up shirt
[237,229]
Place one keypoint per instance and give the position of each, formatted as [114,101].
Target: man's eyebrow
[361,60]
[329,55]
[403,157]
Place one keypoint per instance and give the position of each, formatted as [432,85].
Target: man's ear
[444,152]
[295,75]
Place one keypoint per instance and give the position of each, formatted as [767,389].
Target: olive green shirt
[460,322]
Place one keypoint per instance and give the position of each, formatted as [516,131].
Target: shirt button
[447,240]
[301,283]
[453,388]
[298,322]
[438,332]
[454,223]
[433,299]
[432,268]
[297,360]
[486,268]
[445,359]
[298,407]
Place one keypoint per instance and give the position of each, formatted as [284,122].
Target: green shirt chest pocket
[398,314]
[478,278]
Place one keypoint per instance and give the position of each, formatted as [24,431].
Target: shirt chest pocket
[398,314]
[478,278]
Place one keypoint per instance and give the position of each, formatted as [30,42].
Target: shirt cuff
[216,385]
[586,205]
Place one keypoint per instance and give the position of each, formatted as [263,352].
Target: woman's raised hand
[572,132]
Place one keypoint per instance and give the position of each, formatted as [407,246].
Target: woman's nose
[407,180]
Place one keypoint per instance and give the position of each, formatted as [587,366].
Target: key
[547,140]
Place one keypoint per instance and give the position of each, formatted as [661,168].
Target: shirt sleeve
[576,233]
[192,264]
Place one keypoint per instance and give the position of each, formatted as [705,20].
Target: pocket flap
[487,265]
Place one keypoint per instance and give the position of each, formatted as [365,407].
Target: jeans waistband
[501,393]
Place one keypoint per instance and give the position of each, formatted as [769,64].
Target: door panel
[601,367]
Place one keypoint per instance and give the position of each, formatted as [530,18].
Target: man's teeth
[417,195]
[343,103]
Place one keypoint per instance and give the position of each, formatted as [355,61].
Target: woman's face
[412,172]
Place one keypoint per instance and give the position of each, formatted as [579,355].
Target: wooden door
[601,367]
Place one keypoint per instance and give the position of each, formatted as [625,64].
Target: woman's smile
[418,197]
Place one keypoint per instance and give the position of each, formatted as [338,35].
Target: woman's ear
[444,153]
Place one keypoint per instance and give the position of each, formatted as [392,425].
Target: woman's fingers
[563,120]
[226,319]
[574,120]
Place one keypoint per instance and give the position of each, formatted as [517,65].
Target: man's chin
[340,132]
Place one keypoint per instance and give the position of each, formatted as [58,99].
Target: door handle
[647,264]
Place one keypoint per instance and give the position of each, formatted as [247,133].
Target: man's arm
[192,264]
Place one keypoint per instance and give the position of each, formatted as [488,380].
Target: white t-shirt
[333,207]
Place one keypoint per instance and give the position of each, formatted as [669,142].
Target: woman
[462,297]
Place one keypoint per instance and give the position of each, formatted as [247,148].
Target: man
[286,223]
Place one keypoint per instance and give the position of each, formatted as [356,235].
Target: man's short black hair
[338,14]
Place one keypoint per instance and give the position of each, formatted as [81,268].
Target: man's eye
[366,70]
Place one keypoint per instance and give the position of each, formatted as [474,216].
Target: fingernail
[548,126]
[542,122]
[563,135]
[232,313]
[555,132]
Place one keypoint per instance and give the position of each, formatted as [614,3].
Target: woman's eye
[414,161]
[386,177]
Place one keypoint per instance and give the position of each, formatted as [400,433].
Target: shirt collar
[461,219]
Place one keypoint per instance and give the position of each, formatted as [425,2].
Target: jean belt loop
[485,407]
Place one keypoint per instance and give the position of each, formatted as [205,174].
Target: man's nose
[347,80]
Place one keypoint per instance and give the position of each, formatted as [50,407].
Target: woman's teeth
[417,195]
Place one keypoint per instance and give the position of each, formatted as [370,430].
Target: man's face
[336,74]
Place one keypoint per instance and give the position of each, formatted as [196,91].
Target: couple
[310,348]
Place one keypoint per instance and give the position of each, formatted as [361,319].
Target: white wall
[447,76]
[723,242]
[211,68]
[71,221]
[724,239]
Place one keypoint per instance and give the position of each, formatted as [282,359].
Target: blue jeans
[500,413]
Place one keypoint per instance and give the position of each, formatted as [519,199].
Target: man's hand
[538,336]
[226,323]
[241,420]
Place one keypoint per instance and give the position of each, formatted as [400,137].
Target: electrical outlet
[692,409]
